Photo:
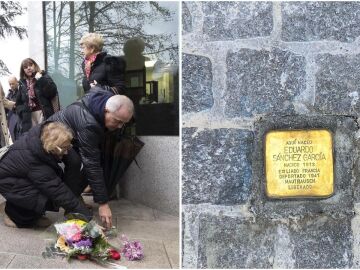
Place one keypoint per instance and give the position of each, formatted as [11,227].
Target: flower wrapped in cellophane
[83,240]
[132,250]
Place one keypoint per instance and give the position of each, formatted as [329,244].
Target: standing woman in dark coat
[100,68]
[30,177]
[36,92]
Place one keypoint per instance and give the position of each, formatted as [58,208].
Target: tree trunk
[72,42]
[91,16]
[56,61]
[57,42]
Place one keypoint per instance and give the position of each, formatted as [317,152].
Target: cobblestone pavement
[157,231]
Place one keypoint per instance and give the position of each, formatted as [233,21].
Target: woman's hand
[94,83]
[38,75]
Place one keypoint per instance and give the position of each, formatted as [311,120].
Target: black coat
[12,94]
[45,91]
[108,71]
[88,137]
[29,177]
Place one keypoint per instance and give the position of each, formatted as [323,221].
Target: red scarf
[31,92]
[89,60]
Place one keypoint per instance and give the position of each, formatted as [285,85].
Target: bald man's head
[13,83]
[118,111]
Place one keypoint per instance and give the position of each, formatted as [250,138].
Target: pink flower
[132,250]
[72,233]
[76,237]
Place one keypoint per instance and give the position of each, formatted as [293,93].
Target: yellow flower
[78,222]
[62,245]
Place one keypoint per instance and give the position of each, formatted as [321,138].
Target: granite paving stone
[196,83]
[337,87]
[258,81]
[186,18]
[232,242]
[216,165]
[320,20]
[322,242]
[230,20]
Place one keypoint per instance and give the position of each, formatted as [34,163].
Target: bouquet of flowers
[87,241]
[83,240]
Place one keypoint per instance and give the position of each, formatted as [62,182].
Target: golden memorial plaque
[299,163]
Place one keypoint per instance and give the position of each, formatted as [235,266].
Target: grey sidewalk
[157,231]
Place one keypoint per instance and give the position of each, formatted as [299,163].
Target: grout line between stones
[7,266]
[167,255]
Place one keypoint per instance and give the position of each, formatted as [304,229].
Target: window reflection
[144,33]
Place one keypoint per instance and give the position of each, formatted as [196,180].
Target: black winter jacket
[45,91]
[29,177]
[88,137]
[108,71]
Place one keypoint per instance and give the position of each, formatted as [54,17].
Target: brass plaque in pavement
[299,163]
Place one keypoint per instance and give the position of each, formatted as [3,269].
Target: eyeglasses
[64,149]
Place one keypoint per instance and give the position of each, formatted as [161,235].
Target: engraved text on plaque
[299,163]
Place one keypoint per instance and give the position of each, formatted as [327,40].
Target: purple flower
[83,243]
[132,250]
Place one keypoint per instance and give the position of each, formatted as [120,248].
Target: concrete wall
[251,67]
[157,183]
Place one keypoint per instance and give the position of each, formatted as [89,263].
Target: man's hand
[105,215]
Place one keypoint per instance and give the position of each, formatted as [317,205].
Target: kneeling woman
[31,179]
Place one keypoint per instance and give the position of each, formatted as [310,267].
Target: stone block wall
[251,67]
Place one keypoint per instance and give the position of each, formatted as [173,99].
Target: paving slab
[172,251]
[155,255]
[164,216]
[134,212]
[5,259]
[152,230]
[21,241]
[125,209]
[22,248]
[35,262]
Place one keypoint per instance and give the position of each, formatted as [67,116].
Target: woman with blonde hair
[100,68]
[37,95]
[31,179]
[4,104]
